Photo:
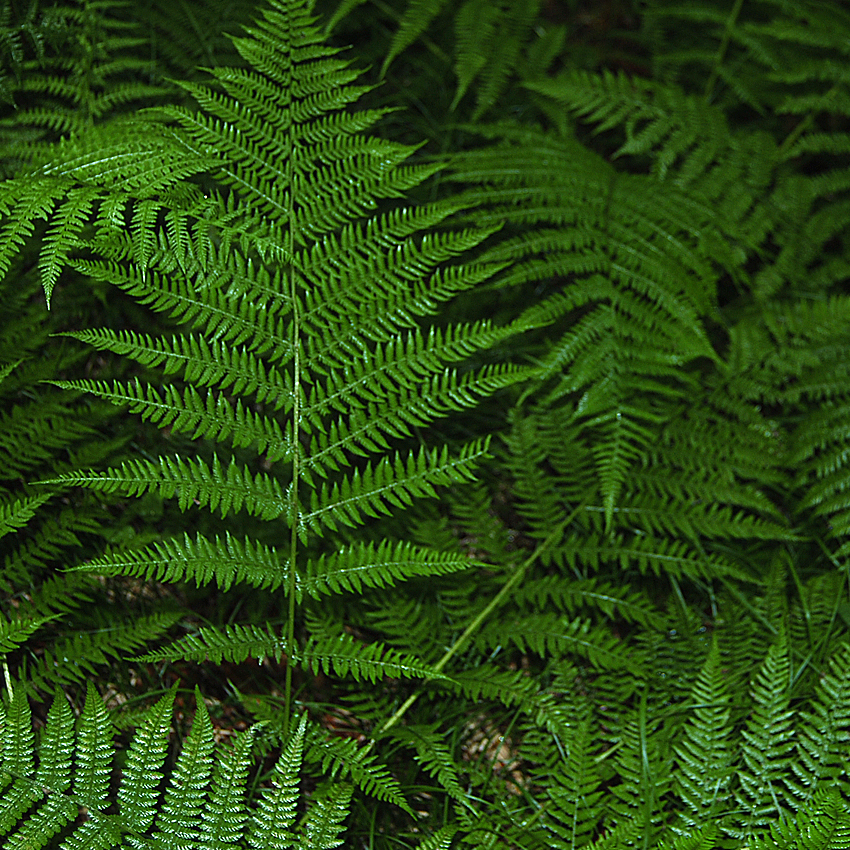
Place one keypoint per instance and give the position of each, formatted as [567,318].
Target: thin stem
[296,457]
[801,127]
[721,51]
[476,624]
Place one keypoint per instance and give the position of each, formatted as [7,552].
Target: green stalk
[721,50]
[479,620]
[296,461]
[801,127]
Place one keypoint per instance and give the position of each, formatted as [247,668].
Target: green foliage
[203,803]
[492,499]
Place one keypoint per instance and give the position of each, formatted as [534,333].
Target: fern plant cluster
[447,454]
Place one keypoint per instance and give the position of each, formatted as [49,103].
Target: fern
[704,758]
[86,68]
[572,650]
[202,805]
[325,363]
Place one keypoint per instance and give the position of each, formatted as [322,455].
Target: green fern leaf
[417,16]
[17,513]
[185,794]
[15,632]
[550,635]
[704,756]
[344,656]
[368,565]
[139,791]
[767,745]
[17,761]
[393,482]
[276,812]
[54,777]
[233,643]
[212,417]
[199,559]
[823,824]
[207,362]
[195,482]
[204,803]
[434,756]
[225,815]
[574,793]
[824,732]
[324,822]
[342,758]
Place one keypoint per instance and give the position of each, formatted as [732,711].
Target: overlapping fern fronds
[302,297]
[88,68]
[637,409]
[57,627]
[693,771]
[491,41]
[691,289]
[203,803]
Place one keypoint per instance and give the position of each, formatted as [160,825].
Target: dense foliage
[436,432]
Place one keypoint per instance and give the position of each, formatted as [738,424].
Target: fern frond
[16,513]
[183,802]
[432,753]
[200,483]
[489,45]
[678,129]
[573,794]
[550,635]
[550,709]
[823,823]
[205,362]
[368,565]
[603,596]
[15,632]
[323,823]
[74,656]
[392,482]
[340,654]
[232,642]
[203,804]
[767,745]
[644,769]
[211,416]
[822,737]
[200,559]
[342,758]
[417,16]
[17,760]
[704,754]
[344,656]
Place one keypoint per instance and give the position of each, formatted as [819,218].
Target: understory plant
[484,488]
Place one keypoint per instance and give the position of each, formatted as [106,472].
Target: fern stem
[721,50]
[477,622]
[296,459]
[801,127]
